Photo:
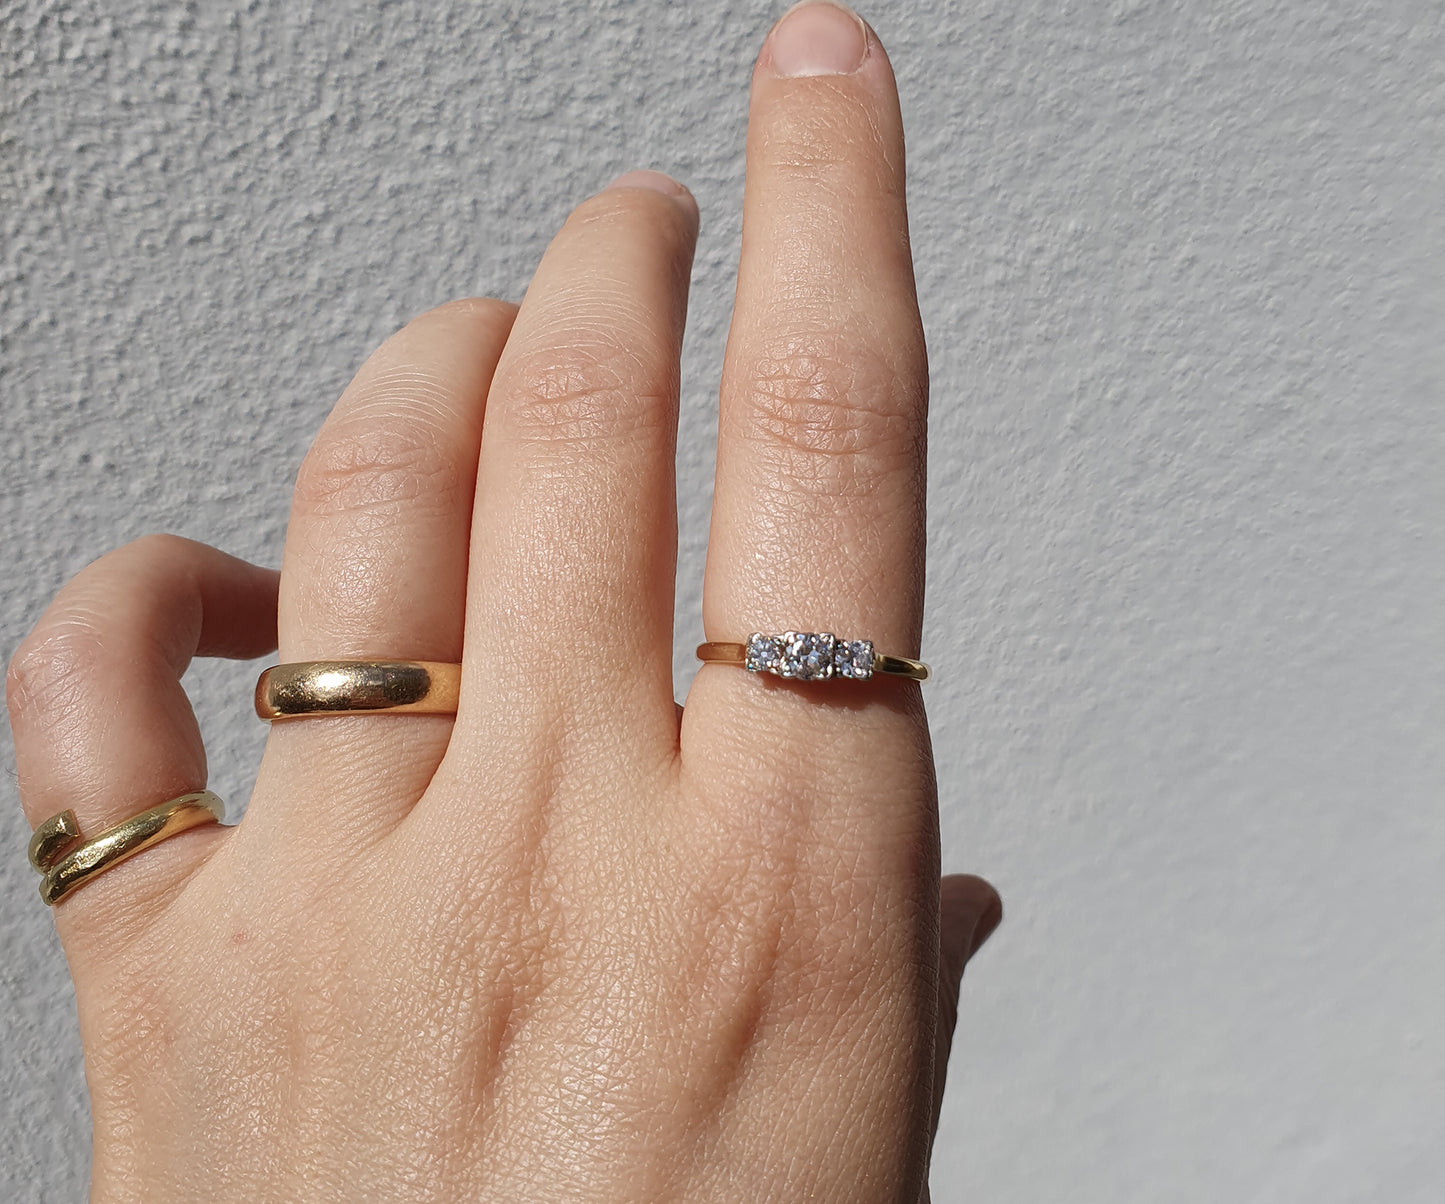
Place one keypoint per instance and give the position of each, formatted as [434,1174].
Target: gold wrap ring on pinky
[811,656]
[372,687]
[65,867]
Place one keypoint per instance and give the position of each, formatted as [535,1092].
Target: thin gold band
[374,687]
[68,871]
[854,659]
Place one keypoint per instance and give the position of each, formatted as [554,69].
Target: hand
[576,944]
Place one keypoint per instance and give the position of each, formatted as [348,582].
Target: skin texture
[576,944]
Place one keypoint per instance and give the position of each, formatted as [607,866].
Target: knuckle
[585,392]
[397,435]
[364,462]
[47,673]
[76,634]
[832,418]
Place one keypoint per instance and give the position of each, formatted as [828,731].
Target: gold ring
[376,687]
[67,871]
[810,656]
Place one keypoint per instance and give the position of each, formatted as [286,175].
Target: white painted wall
[1181,267]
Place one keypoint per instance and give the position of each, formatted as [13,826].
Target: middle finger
[569,607]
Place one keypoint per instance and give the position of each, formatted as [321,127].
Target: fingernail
[818,38]
[653,180]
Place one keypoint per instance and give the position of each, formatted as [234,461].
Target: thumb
[969,910]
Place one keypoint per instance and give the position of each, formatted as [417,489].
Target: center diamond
[807,655]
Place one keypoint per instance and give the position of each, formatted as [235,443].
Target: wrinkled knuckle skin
[378,463]
[832,418]
[47,675]
[587,392]
[52,665]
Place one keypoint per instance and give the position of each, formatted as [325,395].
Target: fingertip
[988,922]
[970,912]
[656,181]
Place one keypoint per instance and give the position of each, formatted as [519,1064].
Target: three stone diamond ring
[810,656]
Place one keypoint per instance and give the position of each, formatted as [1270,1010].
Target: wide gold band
[807,656]
[67,871]
[375,687]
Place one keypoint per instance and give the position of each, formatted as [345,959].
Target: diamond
[764,652]
[853,658]
[807,655]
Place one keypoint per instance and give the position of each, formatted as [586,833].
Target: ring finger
[375,565]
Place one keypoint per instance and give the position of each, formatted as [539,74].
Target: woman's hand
[575,944]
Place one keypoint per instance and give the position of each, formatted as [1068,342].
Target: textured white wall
[1182,271]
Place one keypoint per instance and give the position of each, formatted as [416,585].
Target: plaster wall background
[1182,273]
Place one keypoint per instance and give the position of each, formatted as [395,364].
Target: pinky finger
[969,911]
[102,725]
